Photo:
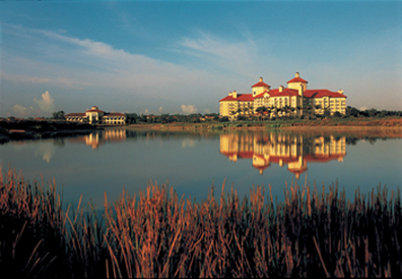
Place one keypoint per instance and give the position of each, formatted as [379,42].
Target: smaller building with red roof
[96,116]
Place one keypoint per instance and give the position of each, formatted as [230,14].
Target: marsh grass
[158,234]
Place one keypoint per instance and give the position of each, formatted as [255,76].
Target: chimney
[260,79]
[340,91]
[297,74]
[234,94]
[280,88]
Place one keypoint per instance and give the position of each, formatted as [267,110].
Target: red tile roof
[261,168]
[310,93]
[94,110]
[323,158]
[240,97]
[298,171]
[115,114]
[276,93]
[319,93]
[75,114]
[285,159]
[261,84]
[245,154]
[297,79]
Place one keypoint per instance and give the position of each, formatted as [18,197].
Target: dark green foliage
[58,115]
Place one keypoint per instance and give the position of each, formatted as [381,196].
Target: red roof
[285,159]
[260,84]
[76,114]
[245,154]
[276,93]
[298,171]
[319,93]
[261,168]
[310,93]
[94,110]
[323,158]
[240,97]
[297,79]
[115,114]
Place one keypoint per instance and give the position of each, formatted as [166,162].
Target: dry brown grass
[158,234]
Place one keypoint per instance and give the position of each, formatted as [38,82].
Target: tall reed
[158,234]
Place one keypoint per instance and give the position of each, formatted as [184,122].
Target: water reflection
[290,150]
[294,151]
[98,138]
[46,151]
[108,160]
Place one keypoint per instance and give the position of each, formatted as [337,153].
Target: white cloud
[89,65]
[58,81]
[188,109]
[20,111]
[57,59]
[237,57]
[45,103]
[46,151]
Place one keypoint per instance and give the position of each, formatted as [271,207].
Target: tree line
[246,114]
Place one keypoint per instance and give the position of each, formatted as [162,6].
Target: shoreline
[350,127]
[383,127]
[31,129]
[280,124]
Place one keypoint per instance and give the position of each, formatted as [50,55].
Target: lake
[113,159]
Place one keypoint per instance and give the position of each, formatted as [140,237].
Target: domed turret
[298,83]
[260,87]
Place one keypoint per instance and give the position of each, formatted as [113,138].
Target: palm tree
[269,110]
[299,109]
[279,111]
[246,110]
[286,109]
[233,112]
[260,111]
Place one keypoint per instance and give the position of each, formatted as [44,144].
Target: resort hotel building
[293,100]
[95,115]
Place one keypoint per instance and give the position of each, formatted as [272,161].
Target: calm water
[111,160]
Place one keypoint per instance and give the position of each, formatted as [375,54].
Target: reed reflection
[294,151]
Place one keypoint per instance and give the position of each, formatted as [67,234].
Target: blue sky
[185,56]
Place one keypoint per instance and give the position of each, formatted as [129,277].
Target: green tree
[58,115]
[260,111]
[327,112]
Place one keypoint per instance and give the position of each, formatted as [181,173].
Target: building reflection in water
[98,138]
[294,151]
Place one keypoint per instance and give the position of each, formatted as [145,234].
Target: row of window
[114,118]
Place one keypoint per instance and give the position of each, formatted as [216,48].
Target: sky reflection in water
[109,160]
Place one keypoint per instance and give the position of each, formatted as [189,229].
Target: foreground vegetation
[158,234]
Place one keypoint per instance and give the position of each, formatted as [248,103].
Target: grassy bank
[158,234]
[388,122]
